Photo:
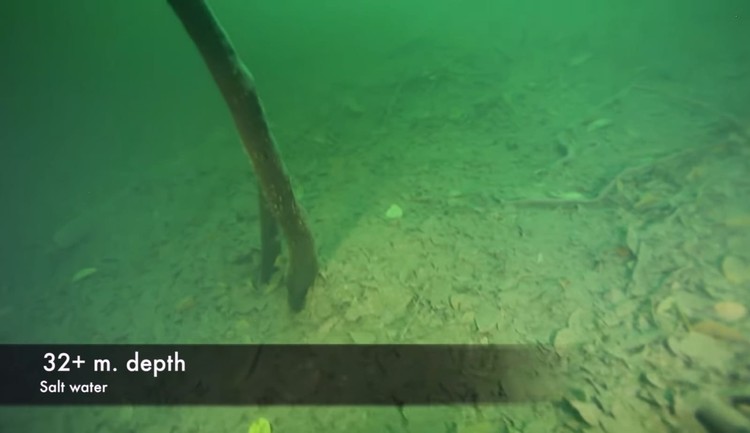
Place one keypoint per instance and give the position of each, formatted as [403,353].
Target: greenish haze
[570,173]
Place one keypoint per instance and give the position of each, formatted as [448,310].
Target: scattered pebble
[394,212]
[730,311]
[598,124]
[83,274]
[719,332]
[260,425]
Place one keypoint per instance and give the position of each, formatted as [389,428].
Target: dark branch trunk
[238,89]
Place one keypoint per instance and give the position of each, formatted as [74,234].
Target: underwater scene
[572,176]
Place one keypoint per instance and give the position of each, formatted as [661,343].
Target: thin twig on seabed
[604,192]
